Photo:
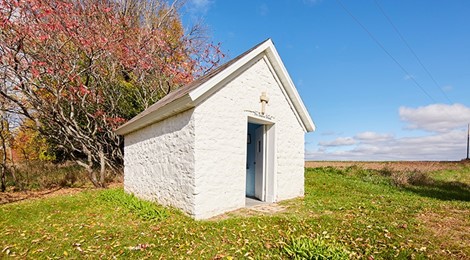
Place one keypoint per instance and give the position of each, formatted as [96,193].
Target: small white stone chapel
[235,133]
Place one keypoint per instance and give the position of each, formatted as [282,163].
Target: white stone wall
[220,146]
[195,160]
[159,162]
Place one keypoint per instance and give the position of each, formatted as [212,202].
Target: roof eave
[194,96]
[177,106]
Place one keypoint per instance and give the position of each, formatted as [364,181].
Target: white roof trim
[194,96]
[282,73]
[180,105]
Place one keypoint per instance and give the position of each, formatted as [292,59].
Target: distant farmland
[425,166]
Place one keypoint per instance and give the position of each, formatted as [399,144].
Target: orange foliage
[29,145]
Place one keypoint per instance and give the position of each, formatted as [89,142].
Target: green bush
[146,210]
[318,248]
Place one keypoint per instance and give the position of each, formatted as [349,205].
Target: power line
[385,50]
[411,50]
[399,64]
[414,54]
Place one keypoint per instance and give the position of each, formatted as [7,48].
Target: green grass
[318,248]
[351,213]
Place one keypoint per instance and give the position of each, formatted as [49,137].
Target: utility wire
[398,63]
[414,54]
[411,50]
[385,50]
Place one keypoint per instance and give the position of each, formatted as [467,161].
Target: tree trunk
[89,168]
[3,138]
[3,179]
[102,168]
[13,176]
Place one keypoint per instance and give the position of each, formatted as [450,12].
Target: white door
[259,163]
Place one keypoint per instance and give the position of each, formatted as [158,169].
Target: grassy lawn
[349,213]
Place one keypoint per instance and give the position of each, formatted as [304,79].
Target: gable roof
[191,94]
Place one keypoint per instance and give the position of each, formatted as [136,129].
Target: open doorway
[254,161]
[260,162]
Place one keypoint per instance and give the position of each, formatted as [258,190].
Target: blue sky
[366,104]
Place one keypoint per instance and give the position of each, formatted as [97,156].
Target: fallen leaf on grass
[78,246]
[6,251]
[139,247]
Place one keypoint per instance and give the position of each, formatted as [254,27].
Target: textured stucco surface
[220,145]
[196,160]
[159,162]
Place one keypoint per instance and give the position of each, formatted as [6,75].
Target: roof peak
[190,95]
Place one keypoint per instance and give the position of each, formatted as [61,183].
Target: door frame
[269,158]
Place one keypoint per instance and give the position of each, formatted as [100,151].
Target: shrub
[414,177]
[386,171]
[40,175]
[318,248]
[327,169]
[355,170]
[419,178]
[45,175]
[146,210]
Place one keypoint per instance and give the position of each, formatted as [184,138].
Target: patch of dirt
[268,208]
[15,196]
[424,166]
[258,210]
[452,229]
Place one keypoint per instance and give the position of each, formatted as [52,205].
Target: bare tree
[81,68]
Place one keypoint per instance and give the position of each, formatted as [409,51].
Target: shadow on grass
[442,190]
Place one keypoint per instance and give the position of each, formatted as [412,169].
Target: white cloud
[340,141]
[408,77]
[439,146]
[372,137]
[330,133]
[199,6]
[436,117]
[446,138]
[364,138]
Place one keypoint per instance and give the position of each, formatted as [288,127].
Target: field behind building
[423,166]
[409,210]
